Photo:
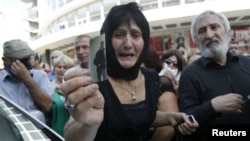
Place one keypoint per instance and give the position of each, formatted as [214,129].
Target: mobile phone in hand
[247,98]
[191,118]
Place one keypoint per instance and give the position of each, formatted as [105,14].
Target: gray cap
[17,49]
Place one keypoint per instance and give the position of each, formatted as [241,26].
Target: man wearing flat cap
[26,87]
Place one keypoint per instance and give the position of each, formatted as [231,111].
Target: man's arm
[41,98]
[96,59]
[185,126]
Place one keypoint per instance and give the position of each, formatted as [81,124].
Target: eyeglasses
[233,48]
[168,61]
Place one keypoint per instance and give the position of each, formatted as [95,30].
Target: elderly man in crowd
[27,87]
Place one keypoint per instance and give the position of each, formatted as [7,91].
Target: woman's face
[60,69]
[128,44]
[172,62]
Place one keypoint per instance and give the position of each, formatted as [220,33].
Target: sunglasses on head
[171,62]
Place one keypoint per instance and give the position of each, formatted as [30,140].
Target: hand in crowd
[228,103]
[175,82]
[80,91]
[183,123]
[19,70]
[58,88]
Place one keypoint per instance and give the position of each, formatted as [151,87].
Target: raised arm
[41,97]
[87,114]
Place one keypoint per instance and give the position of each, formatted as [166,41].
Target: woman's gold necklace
[133,96]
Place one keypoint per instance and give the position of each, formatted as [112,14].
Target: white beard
[216,51]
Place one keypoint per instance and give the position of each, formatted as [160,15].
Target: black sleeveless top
[128,122]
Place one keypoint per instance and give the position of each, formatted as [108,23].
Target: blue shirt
[52,75]
[16,91]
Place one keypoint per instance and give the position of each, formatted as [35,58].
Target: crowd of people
[145,96]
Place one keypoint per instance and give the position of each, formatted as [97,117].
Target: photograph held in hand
[97,60]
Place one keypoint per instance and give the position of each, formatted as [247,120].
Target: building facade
[55,23]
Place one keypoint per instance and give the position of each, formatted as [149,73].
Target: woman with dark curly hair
[173,65]
[152,60]
[174,61]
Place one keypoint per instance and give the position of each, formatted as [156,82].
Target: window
[149,4]
[107,5]
[94,11]
[166,3]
